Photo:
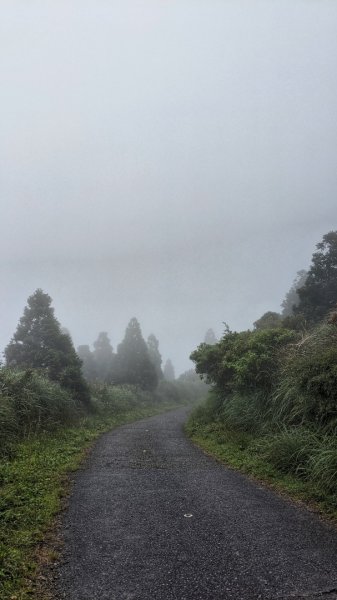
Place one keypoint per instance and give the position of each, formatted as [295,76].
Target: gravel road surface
[151,517]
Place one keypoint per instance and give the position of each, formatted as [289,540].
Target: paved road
[129,534]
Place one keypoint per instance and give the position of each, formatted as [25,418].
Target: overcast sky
[169,160]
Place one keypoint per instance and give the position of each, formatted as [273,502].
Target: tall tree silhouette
[169,374]
[39,343]
[103,356]
[154,354]
[133,364]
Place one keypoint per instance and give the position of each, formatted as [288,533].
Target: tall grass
[30,403]
[307,383]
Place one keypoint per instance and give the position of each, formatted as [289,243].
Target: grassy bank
[295,461]
[272,411]
[34,480]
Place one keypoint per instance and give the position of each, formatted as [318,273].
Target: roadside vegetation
[52,407]
[272,409]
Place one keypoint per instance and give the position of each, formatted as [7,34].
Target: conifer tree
[154,354]
[103,356]
[39,343]
[169,374]
[133,364]
[88,362]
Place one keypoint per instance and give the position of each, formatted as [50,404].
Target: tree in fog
[133,364]
[169,374]
[292,298]
[154,354]
[269,320]
[318,295]
[39,343]
[210,337]
[103,356]
[88,362]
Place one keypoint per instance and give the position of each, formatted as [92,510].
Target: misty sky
[169,160]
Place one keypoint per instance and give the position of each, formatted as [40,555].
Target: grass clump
[289,451]
[323,466]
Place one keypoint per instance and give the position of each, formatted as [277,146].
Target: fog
[173,161]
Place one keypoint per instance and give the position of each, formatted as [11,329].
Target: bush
[245,362]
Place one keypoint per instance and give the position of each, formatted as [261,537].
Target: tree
[292,298]
[133,364]
[269,320]
[210,337]
[103,356]
[39,343]
[318,296]
[88,362]
[169,374]
[154,354]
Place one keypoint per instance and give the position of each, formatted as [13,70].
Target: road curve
[128,533]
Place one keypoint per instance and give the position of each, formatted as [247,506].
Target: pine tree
[103,356]
[88,362]
[133,364]
[154,354]
[169,374]
[39,343]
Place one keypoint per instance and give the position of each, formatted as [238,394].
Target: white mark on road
[188,515]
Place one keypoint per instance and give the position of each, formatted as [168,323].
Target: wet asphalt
[151,517]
